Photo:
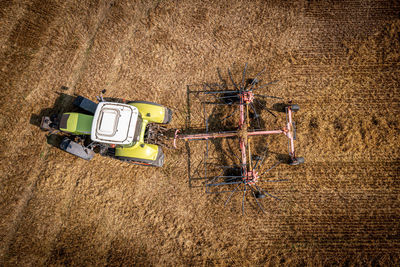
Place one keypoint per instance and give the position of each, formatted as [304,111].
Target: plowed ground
[339,60]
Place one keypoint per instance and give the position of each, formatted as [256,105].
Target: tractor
[129,131]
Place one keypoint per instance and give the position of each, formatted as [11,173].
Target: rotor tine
[273,166]
[230,115]
[267,84]
[226,202]
[258,203]
[267,96]
[255,78]
[256,114]
[243,77]
[229,146]
[220,77]
[230,77]
[260,189]
[228,96]
[215,177]
[255,165]
[274,181]
[270,112]
[263,156]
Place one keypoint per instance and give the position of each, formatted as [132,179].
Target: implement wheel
[259,195]
[297,161]
[294,107]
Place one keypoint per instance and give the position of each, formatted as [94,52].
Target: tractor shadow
[63,103]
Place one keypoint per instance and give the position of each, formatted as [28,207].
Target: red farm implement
[231,117]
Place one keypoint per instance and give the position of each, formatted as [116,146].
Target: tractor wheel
[297,161]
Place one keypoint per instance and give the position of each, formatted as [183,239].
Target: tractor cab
[116,123]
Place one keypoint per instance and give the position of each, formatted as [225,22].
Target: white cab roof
[114,123]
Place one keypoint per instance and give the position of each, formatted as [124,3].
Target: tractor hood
[115,123]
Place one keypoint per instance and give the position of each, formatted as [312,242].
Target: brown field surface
[339,60]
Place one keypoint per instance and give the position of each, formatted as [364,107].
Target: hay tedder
[230,162]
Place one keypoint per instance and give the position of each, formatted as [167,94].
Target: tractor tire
[76,149]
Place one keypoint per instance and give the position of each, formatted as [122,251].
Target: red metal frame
[250,176]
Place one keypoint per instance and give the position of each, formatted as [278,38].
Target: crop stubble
[338,61]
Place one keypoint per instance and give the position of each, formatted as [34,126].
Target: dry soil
[339,60]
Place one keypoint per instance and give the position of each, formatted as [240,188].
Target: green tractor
[128,131]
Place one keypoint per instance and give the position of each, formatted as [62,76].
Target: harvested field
[339,60]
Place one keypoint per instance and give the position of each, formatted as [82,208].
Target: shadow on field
[63,103]
[210,122]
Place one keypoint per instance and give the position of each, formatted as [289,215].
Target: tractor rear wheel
[76,149]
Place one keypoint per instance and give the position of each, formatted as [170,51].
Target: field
[339,60]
